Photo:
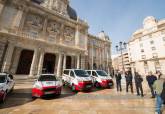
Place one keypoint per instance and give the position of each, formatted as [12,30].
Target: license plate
[49,83]
[110,84]
[88,86]
[51,92]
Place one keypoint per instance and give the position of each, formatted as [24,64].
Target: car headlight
[38,87]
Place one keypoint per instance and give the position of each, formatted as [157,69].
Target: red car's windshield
[47,78]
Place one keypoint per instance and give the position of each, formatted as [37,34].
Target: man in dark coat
[151,79]
[138,83]
[128,77]
[118,81]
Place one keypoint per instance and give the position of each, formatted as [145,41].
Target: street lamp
[120,48]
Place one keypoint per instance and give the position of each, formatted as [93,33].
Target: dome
[149,18]
[103,36]
[72,13]
[149,22]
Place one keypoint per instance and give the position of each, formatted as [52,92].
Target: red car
[46,84]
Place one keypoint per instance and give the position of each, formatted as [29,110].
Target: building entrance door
[49,63]
[25,62]
[68,62]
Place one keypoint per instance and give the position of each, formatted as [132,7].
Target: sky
[118,18]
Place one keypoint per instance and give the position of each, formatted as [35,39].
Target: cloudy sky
[118,18]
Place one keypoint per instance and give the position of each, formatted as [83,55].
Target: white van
[77,79]
[101,78]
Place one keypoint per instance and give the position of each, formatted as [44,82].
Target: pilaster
[8,58]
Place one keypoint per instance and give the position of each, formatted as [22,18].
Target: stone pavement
[99,101]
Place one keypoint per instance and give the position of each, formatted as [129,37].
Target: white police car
[6,85]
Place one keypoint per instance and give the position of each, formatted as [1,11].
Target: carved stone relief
[34,21]
[53,30]
[69,33]
[53,27]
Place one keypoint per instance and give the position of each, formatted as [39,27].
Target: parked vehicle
[6,85]
[46,84]
[101,78]
[77,79]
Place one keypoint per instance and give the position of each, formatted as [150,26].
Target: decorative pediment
[34,21]
[69,33]
[53,27]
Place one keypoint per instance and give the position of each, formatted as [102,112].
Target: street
[99,101]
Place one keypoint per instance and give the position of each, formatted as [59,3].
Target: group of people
[156,84]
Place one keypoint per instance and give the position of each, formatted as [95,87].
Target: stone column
[1,8]
[18,17]
[50,4]
[34,63]
[2,2]
[16,57]
[8,58]
[78,61]
[44,28]
[77,34]
[86,41]
[64,62]
[40,64]
[59,65]
[61,33]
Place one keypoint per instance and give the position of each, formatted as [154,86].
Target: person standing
[159,86]
[118,81]
[151,79]
[138,83]
[128,77]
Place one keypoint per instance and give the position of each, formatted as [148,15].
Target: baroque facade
[38,36]
[147,45]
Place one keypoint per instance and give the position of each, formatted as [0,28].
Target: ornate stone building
[147,45]
[39,36]
[99,52]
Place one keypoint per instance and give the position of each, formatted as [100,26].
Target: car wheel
[73,88]
[34,97]
[63,82]
[3,97]
[97,85]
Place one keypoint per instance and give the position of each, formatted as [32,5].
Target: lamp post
[120,48]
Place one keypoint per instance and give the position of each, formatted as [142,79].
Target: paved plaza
[99,101]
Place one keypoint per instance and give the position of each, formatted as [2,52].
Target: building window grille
[164,39]
[142,50]
[155,55]
[143,57]
[153,48]
[141,45]
[151,42]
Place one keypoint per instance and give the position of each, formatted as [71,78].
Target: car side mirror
[8,81]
